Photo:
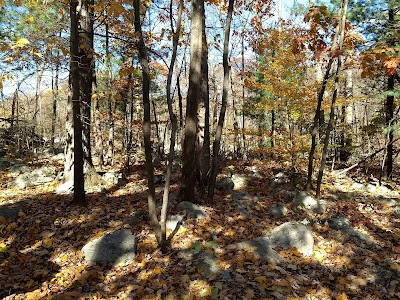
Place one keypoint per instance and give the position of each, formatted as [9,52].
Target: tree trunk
[86,76]
[180,100]
[342,23]
[144,62]
[189,143]
[317,116]
[243,103]
[389,106]
[111,104]
[159,150]
[225,89]
[37,110]
[74,99]
[205,160]
[54,85]
[174,123]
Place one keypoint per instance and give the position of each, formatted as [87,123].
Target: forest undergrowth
[40,255]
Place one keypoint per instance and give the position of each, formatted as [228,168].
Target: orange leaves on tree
[390,65]
[386,58]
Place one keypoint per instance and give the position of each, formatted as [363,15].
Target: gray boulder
[287,235]
[278,210]
[280,178]
[115,249]
[115,178]
[8,213]
[343,224]
[239,181]
[192,210]
[225,184]
[174,221]
[260,248]
[304,201]
[290,235]
[4,164]
[65,188]
[19,169]
[38,176]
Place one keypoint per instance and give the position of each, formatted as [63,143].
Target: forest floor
[40,255]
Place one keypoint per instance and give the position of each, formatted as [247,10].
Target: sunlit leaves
[386,58]
[20,43]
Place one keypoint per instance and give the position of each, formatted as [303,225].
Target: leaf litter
[41,258]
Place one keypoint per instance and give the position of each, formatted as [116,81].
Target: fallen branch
[341,172]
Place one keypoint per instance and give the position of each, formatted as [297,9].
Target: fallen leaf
[342,296]
[249,294]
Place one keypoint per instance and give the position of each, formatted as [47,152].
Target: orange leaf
[342,296]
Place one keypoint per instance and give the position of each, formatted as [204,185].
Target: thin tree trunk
[243,103]
[343,13]
[79,187]
[225,89]
[144,62]
[36,111]
[189,143]
[160,152]
[180,100]
[317,116]
[389,113]
[111,104]
[205,160]
[172,116]
[55,101]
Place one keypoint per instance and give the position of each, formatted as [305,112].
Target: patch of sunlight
[201,288]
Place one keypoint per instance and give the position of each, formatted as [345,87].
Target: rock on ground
[8,213]
[115,178]
[115,249]
[239,181]
[278,210]
[65,188]
[225,184]
[305,201]
[174,221]
[343,224]
[35,177]
[287,235]
[192,210]
[290,235]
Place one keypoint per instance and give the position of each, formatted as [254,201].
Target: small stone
[281,178]
[304,201]
[239,181]
[278,210]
